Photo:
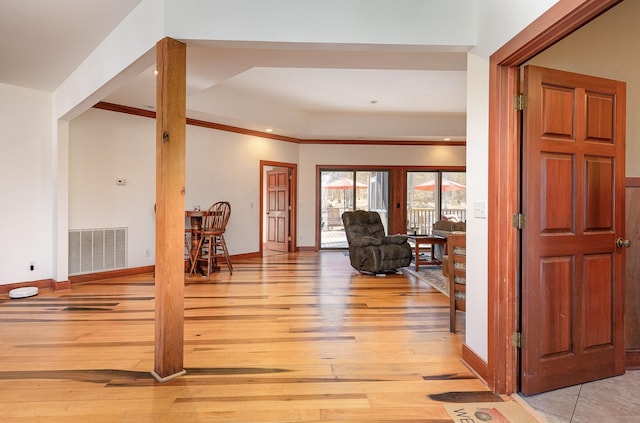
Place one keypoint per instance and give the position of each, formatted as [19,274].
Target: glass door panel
[347,190]
[422,201]
[433,196]
[454,196]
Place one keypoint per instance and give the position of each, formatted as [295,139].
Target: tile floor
[613,400]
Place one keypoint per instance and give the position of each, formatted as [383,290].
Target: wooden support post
[170,181]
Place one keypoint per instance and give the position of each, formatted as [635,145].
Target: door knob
[623,243]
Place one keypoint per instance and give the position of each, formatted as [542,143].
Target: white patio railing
[421,220]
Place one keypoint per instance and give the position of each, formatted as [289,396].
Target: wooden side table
[431,241]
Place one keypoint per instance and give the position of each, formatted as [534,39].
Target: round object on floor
[27,291]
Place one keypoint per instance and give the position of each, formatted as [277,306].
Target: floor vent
[97,250]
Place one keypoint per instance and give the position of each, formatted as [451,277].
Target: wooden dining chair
[188,255]
[457,257]
[212,245]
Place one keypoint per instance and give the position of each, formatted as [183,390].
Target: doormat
[431,275]
[493,412]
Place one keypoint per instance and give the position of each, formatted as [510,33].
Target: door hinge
[520,102]
[517,340]
[289,239]
[519,221]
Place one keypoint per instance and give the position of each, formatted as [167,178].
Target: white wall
[26,185]
[226,166]
[476,332]
[499,21]
[105,146]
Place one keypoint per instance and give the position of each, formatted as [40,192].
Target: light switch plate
[480,209]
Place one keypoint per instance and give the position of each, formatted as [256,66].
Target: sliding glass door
[347,190]
[434,196]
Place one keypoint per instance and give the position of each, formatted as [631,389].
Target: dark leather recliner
[369,249]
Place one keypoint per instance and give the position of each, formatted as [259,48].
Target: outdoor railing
[421,220]
[331,218]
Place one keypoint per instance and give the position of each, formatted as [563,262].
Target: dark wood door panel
[282,230]
[271,229]
[598,193]
[597,302]
[272,200]
[557,193]
[282,202]
[557,112]
[557,276]
[600,117]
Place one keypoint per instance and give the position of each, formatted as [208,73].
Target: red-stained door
[573,199]
[278,210]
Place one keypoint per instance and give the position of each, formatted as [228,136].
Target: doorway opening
[504,174]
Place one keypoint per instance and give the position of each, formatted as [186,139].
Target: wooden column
[170,171]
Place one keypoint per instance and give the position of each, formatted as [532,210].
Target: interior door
[573,197]
[278,210]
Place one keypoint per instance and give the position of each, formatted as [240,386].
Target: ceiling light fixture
[268,130]
[446,139]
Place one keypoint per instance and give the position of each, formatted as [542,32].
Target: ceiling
[302,91]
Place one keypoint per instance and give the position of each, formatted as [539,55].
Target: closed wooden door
[278,210]
[573,197]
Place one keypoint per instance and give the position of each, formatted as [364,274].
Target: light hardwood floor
[298,337]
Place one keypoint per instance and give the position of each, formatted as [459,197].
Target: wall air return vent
[97,250]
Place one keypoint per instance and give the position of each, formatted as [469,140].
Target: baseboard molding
[475,363]
[307,249]
[40,284]
[91,277]
[111,274]
[61,286]
[632,359]
[245,256]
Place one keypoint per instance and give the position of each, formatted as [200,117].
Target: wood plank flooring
[300,338]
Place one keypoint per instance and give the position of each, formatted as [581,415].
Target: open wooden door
[573,199]
[278,209]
